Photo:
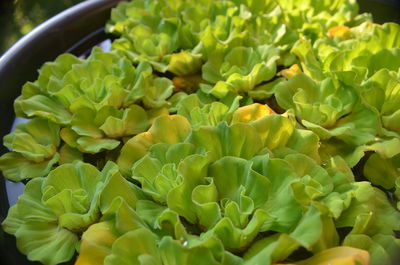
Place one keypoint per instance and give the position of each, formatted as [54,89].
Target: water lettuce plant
[229,132]
[36,146]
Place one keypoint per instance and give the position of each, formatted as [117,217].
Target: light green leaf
[139,145]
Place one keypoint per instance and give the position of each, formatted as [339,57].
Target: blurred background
[18,17]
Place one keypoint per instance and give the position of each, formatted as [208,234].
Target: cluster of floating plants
[228,132]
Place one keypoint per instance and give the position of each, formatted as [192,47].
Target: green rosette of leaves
[266,25]
[180,128]
[150,228]
[313,18]
[258,198]
[199,113]
[98,239]
[367,210]
[170,174]
[239,70]
[182,181]
[382,93]
[193,30]
[373,220]
[53,212]
[370,214]
[333,111]
[190,26]
[95,100]
[35,149]
[138,146]
[130,14]
[160,33]
[110,242]
[155,40]
[253,24]
[352,55]
[235,214]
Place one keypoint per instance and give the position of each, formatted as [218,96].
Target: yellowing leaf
[341,31]
[251,113]
[96,244]
[337,256]
[291,71]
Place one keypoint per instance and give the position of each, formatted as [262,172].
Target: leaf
[382,171]
[96,244]
[240,69]
[122,253]
[251,112]
[240,140]
[45,107]
[37,140]
[29,218]
[16,167]
[138,146]
[133,121]
[339,255]
[184,63]
[45,242]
